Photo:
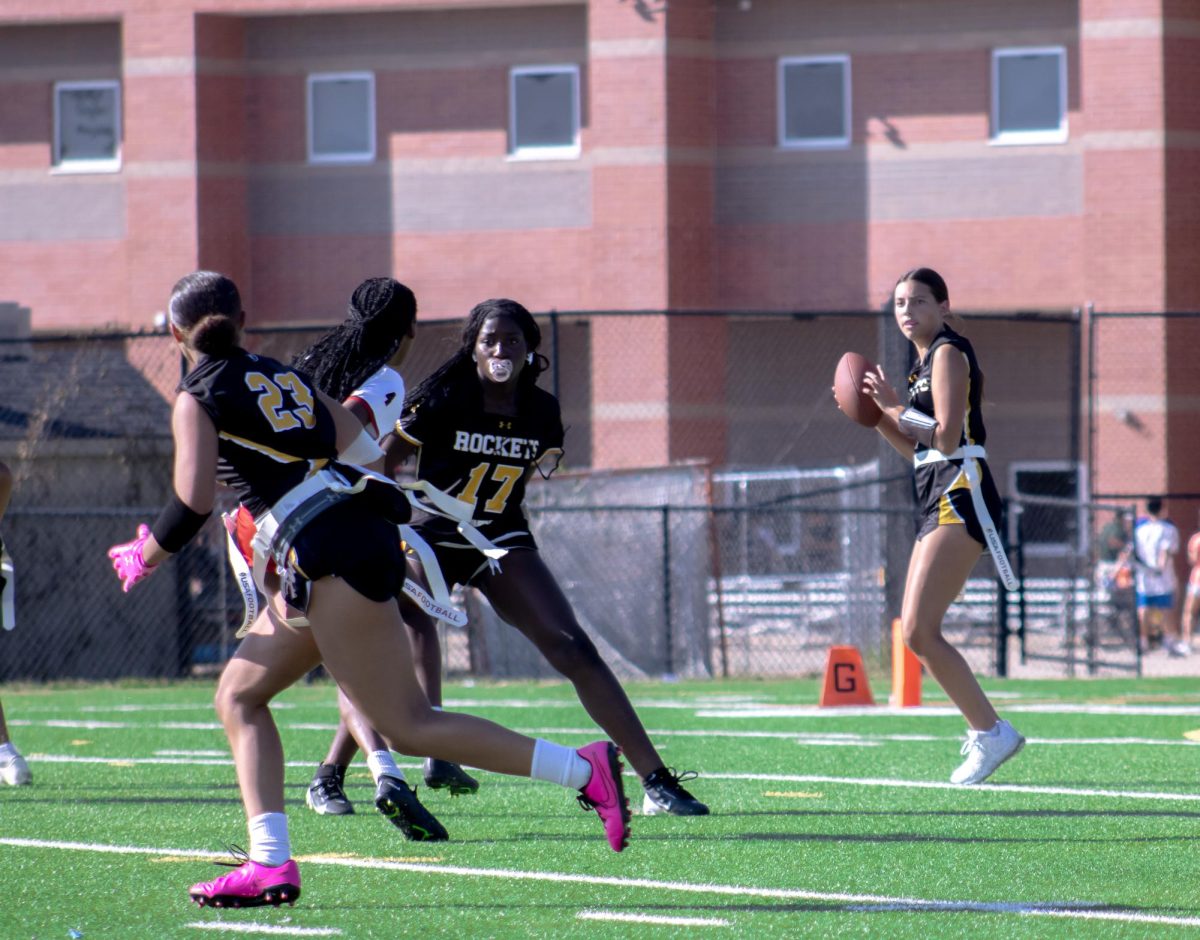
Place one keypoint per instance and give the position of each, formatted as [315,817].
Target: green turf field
[825,822]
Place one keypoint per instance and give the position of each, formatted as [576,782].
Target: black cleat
[326,794]
[664,794]
[443,775]
[402,808]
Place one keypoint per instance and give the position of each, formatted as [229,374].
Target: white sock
[269,842]
[382,764]
[557,764]
[8,749]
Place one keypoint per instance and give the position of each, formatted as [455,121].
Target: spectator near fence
[1191,595]
[1113,550]
[13,769]
[1155,545]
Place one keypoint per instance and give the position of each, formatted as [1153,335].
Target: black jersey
[483,458]
[941,486]
[920,394]
[272,429]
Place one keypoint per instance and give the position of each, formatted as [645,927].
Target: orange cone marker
[906,671]
[845,678]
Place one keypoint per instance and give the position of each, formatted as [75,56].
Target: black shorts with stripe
[944,498]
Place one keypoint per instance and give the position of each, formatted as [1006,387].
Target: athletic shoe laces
[329,787]
[240,856]
[669,779]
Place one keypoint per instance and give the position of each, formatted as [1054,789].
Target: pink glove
[128,561]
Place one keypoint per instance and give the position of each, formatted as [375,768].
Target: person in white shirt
[1155,545]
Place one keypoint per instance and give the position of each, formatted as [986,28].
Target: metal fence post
[668,632]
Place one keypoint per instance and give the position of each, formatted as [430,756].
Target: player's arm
[397,451]
[949,387]
[195,481]
[354,442]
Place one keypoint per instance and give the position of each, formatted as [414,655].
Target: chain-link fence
[773,528]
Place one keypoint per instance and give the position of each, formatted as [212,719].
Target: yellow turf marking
[1192,735]
[79,742]
[120,763]
[181,858]
[797,794]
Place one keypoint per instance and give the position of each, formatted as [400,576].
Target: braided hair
[457,375]
[380,315]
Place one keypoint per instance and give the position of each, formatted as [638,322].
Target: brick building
[696,155]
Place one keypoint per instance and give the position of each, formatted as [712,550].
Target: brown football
[847,390]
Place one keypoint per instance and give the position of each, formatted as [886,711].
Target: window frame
[361,157]
[570,151]
[1058,135]
[1063,549]
[103,165]
[813,143]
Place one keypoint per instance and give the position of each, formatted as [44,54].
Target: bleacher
[819,602]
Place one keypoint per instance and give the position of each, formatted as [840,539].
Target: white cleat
[985,751]
[14,771]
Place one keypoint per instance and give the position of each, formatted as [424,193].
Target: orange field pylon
[845,678]
[906,671]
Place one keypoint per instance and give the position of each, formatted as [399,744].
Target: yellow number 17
[504,474]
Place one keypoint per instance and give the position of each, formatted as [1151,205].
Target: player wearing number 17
[941,431]
[480,427]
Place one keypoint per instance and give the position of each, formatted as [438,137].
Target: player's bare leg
[937,570]
[271,658]
[526,594]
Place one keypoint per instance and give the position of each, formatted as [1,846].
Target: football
[847,390]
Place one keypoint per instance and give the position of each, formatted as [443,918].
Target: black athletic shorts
[944,498]
[460,561]
[350,541]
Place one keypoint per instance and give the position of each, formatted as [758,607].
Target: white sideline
[1082,910]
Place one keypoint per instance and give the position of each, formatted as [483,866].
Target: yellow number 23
[270,400]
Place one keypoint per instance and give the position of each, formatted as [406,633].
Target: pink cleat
[605,793]
[250,885]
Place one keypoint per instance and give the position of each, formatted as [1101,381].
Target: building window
[814,101]
[543,109]
[341,117]
[87,126]
[1029,95]
[1047,508]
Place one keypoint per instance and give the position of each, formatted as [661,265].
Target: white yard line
[946,785]
[941,711]
[1080,910]
[653,919]
[266,929]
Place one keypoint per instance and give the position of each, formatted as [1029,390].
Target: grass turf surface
[825,822]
